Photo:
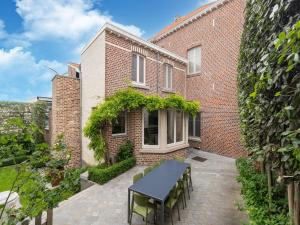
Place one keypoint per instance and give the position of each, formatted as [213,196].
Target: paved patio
[212,201]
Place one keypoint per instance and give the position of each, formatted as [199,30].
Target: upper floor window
[194,58]
[138,69]
[168,70]
[119,124]
[195,126]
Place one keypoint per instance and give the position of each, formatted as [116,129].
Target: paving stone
[212,201]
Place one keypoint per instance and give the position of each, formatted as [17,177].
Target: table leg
[162,213]
[128,215]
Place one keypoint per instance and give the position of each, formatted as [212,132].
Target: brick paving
[212,201]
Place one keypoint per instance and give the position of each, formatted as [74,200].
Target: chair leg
[188,191]
[171,214]
[178,212]
[191,182]
[146,219]
[130,219]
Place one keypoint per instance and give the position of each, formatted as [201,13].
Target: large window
[119,124]
[195,126]
[194,58]
[150,127]
[174,126]
[138,69]
[168,76]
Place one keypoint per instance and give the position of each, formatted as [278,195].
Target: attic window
[77,74]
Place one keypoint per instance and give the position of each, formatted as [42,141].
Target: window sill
[168,90]
[141,86]
[119,135]
[195,139]
[164,150]
[194,74]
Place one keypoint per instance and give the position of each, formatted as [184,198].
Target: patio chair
[141,206]
[171,203]
[180,187]
[147,170]
[137,177]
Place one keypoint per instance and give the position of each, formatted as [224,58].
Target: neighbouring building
[196,57]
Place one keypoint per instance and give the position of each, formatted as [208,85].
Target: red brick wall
[216,85]
[65,115]
[118,64]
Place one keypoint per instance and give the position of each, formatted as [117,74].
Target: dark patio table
[158,183]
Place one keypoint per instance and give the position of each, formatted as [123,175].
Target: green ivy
[268,82]
[126,100]
[254,191]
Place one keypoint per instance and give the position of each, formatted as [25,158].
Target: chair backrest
[137,177]
[147,170]
[140,200]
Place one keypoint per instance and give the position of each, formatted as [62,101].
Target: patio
[212,201]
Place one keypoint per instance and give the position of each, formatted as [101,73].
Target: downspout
[80,113]
[157,73]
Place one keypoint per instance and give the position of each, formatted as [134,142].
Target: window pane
[197,59]
[179,126]
[191,60]
[118,126]
[134,68]
[151,128]
[170,77]
[198,125]
[170,126]
[191,126]
[166,76]
[141,69]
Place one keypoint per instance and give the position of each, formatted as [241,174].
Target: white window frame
[143,134]
[174,133]
[138,69]
[193,53]
[168,68]
[194,128]
[120,134]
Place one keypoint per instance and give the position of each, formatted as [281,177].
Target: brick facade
[218,33]
[118,64]
[65,114]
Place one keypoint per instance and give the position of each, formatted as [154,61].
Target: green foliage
[125,151]
[126,100]
[13,160]
[254,191]
[102,176]
[16,139]
[268,82]
[7,176]
[39,114]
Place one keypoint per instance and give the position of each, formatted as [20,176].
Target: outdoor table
[158,183]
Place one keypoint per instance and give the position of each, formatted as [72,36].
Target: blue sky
[36,35]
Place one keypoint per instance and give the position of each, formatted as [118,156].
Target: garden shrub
[102,176]
[254,191]
[125,151]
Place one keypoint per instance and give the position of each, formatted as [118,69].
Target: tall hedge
[269,82]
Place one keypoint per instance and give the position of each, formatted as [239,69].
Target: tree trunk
[296,202]
[269,175]
[290,190]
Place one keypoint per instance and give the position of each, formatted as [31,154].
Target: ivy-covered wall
[269,78]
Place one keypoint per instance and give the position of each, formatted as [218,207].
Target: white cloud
[22,75]
[204,2]
[67,19]
[2,29]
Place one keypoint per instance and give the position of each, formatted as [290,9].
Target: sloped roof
[184,20]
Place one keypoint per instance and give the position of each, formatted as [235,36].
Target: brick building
[196,57]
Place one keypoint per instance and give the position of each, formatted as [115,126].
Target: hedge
[254,191]
[103,175]
[13,161]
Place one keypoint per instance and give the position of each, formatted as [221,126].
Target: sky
[36,35]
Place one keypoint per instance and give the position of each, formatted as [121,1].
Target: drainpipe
[157,72]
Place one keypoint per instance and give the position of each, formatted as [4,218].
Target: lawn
[7,176]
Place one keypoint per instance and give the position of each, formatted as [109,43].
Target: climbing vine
[126,100]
